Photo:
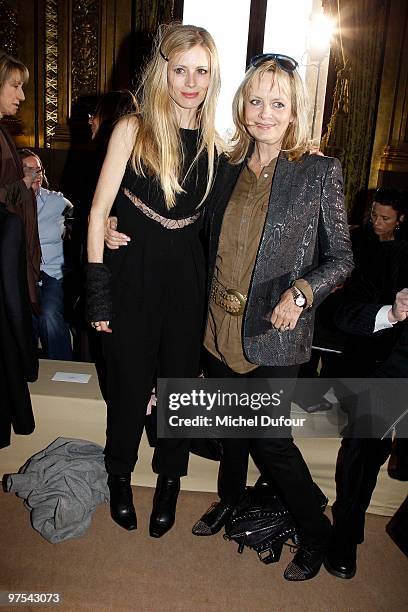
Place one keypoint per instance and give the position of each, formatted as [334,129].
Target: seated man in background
[50,325]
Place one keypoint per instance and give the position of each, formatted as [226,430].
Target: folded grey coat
[61,486]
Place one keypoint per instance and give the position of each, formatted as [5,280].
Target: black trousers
[158,334]
[277,458]
[358,464]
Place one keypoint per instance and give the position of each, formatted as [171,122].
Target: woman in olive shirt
[278,244]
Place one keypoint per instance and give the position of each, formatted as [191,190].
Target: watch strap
[306,289]
[296,293]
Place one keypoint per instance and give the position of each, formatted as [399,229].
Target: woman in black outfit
[148,297]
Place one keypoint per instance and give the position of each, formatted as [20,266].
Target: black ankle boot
[309,557]
[164,505]
[121,501]
[213,520]
[306,563]
[341,558]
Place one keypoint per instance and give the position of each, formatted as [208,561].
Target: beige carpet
[110,569]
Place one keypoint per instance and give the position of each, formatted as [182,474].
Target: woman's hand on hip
[113,238]
[285,315]
[101,326]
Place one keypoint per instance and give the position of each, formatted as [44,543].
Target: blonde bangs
[296,139]
[9,65]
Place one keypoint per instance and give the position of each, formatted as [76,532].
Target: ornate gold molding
[390,147]
[100,43]
[84,63]
[394,159]
[51,70]
[79,23]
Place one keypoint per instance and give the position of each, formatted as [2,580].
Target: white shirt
[381,320]
[50,206]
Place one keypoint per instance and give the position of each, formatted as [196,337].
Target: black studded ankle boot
[121,501]
[164,505]
[213,520]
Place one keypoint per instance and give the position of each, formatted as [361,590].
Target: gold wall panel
[75,50]
[85,48]
[389,164]
[51,70]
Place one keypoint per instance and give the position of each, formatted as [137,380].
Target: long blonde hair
[158,148]
[296,139]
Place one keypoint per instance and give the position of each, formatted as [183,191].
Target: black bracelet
[98,292]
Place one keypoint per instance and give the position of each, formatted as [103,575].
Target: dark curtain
[148,16]
[358,51]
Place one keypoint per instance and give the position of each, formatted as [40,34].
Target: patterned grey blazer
[305,236]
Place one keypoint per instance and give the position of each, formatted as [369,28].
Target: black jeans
[277,458]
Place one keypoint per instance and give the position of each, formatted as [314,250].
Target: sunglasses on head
[288,64]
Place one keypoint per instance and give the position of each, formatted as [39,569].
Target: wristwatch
[298,297]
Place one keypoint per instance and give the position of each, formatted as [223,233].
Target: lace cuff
[98,293]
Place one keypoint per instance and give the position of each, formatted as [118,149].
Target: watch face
[298,297]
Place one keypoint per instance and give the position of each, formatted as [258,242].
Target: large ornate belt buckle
[241,299]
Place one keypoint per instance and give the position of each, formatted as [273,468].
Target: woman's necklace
[257,165]
[257,162]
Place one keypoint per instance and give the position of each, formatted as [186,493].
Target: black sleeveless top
[148,192]
[165,244]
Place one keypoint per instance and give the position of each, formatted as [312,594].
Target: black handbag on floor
[261,521]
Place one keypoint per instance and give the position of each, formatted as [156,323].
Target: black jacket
[305,236]
[383,354]
[373,286]
[18,358]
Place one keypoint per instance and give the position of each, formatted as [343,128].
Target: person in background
[383,239]
[50,324]
[110,107]
[388,214]
[380,249]
[374,315]
[386,225]
[15,183]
